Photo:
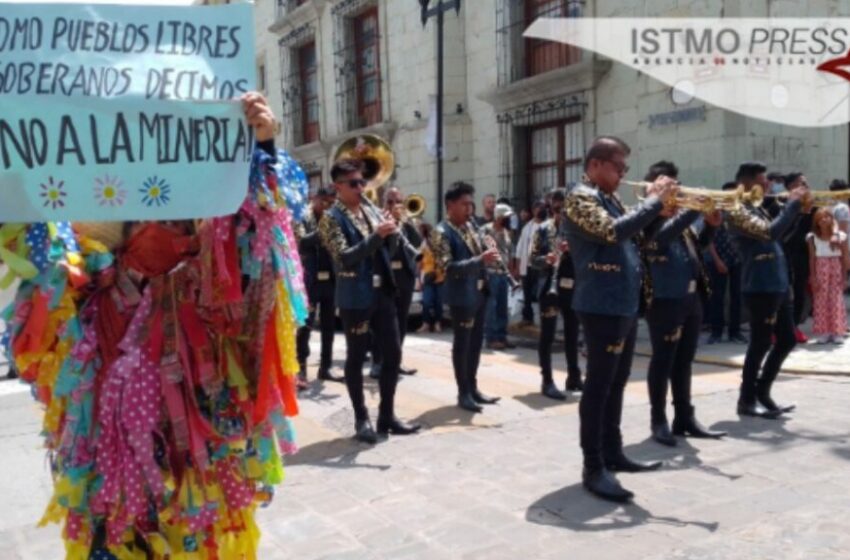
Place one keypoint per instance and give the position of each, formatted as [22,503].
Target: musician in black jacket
[404,267]
[320,281]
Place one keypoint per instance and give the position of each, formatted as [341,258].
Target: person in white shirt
[528,274]
[828,263]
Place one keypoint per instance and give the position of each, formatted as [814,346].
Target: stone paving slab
[506,484]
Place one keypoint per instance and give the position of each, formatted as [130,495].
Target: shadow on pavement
[683,457]
[450,415]
[315,393]
[774,432]
[340,453]
[537,401]
[573,508]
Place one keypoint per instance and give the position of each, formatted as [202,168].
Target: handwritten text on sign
[123,112]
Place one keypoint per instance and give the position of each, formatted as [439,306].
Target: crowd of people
[580,255]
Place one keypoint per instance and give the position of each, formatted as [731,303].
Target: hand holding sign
[259,115]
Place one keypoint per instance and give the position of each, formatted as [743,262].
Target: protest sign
[123,112]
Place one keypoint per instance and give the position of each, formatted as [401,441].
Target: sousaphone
[378,161]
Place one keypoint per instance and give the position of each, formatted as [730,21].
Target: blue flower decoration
[155,191]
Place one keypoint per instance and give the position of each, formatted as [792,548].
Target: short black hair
[749,170]
[660,168]
[558,194]
[457,190]
[345,167]
[604,148]
[791,177]
[503,200]
[325,190]
[775,176]
[729,186]
[838,185]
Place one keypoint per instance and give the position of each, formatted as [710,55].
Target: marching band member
[677,287]
[601,234]
[550,254]
[765,285]
[460,252]
[319,279]
[361,240]
[405,272]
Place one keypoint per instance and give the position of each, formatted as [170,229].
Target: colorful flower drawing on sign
[108,191]
[53,193]
[156,191]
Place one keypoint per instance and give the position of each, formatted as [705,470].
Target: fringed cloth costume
[165,369]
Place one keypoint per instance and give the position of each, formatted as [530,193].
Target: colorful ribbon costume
[166,371]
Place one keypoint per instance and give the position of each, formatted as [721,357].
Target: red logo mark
[837,66]
[719,60]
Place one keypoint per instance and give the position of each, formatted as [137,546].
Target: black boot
[363,431]
[764,398]
[753,409]
[396,427]
[467,402]
[661,433]
[602,483]
[551,391]
[574,382]
[325,374]
[685,423]
[480,397]
[618,462]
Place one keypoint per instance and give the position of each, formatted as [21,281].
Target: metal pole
[439,110]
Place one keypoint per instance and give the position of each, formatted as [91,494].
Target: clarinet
[490,243]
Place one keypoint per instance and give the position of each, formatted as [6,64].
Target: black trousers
[798,270]
[324,300]
[468,338]
[382,320]
[717,306]
[551,305]
[529,293]
[770,314]
[402,303]
[610,342]
[674,327]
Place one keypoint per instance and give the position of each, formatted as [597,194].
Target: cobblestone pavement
[506,484]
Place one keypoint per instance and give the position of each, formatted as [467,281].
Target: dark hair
[660,168]
[604,148]
[730,186]
[775,176]
[345,167]
[503,200]
[457,190]
[325,190]
[838,185]
[558,194]
[749,170]
[791,177]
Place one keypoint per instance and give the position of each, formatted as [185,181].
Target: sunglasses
[355,183]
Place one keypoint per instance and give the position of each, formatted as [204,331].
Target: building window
[555,152]
[261,76]
[368,67]
[308,74]
[357,62]
[518,57]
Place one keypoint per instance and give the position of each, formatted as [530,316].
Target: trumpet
[819,199]
[708,200]
[414,206]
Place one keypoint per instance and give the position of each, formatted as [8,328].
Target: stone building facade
[518,114]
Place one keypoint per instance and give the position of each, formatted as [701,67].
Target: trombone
[707,200]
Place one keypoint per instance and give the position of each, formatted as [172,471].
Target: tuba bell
[378,161]
[414,206]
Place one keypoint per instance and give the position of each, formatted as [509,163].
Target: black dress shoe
[407,371]
[396,427]
[466,402]
[621,463]
[602,483]
[364,432]
[575,384]
[481,398]
[770,405]
[549,390]
[326,375]
[752,409]
[686,424]
[661,434]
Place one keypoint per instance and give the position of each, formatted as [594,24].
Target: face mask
[776,188]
